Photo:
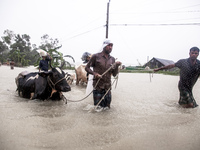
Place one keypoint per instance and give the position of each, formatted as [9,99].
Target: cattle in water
[81,75]
[42,85]
[70,78]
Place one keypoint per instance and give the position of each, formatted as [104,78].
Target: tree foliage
[18,48]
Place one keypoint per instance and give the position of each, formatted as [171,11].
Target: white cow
[70,78]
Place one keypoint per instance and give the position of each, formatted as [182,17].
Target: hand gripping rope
[116,79]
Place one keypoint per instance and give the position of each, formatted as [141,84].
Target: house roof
[164,61]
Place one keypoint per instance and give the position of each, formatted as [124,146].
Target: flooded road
[143,115]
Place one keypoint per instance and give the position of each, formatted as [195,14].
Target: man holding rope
[101,62]
[189,74]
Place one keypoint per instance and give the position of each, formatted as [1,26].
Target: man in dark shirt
[44,63]
[189,73]
[101,62]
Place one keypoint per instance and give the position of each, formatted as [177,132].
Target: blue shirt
[44,64]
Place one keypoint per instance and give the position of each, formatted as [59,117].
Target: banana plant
[56,58]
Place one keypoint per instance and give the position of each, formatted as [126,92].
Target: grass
[174,72]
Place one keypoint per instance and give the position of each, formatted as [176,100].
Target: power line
[187,7]
[162,24]
[84,32]
[171,12]
[183,19]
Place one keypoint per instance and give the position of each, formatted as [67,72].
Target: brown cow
[81,75]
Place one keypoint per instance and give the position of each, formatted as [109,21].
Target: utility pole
[107,20]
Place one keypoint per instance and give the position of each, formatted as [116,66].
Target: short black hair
[194,49]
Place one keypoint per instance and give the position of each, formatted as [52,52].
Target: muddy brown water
[144,115]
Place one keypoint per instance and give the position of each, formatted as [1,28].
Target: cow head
[56,80]
[57,76]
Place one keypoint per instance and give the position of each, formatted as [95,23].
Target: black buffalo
[42,85]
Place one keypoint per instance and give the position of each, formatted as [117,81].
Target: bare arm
[87,67]
[49,56]
[90,71]
[165,67]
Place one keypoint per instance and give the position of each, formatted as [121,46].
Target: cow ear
[44,74]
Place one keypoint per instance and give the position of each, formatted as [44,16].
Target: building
[157,63]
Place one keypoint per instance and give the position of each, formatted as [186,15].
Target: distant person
[44,63]
[86,57]
[12,63]
[8,63]
[101,62]
[189,73]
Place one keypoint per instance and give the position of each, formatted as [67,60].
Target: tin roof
[164,61]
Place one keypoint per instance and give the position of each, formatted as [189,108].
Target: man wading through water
[189,73]
[101,62]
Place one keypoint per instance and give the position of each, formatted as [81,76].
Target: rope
[53,84]
[93,88]
[106,93]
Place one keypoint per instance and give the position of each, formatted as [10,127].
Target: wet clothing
[186,97]
[97,95]
[44,64]
[189,74]
[100,64]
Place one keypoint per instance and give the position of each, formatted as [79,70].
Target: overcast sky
[138,28]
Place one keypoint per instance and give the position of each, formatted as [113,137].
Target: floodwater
[144,115]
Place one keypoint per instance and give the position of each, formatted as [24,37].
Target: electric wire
[164,24]
[148,24]
[84,32]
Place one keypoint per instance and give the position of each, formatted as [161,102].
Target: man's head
[107,46]
[86,57]
[194,53]
[43,57]
[194,49]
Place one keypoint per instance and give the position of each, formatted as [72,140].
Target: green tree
[5,45]
[9,37]
[20,49]
[3,52]
[50,45]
